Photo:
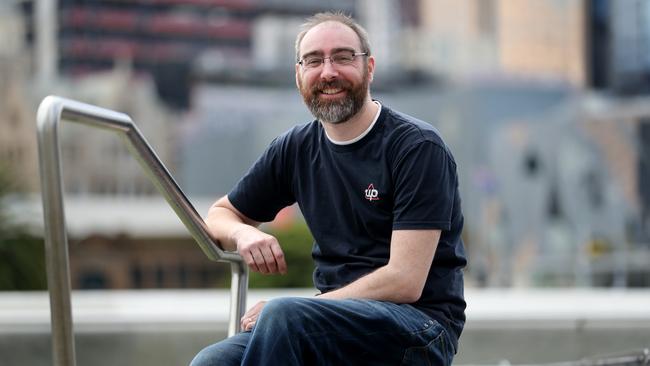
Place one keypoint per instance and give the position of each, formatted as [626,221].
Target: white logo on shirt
[371,193]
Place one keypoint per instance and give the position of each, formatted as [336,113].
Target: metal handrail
[633,358]
[51,111]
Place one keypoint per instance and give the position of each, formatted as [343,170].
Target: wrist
[236,233]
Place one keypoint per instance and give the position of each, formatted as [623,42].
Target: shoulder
[300,135]
[404,132]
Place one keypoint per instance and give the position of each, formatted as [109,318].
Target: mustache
[334,84]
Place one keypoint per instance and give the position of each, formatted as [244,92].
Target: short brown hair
[340,17]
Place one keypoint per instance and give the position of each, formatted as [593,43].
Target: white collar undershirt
[363,134]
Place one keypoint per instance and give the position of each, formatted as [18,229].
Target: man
[379,192]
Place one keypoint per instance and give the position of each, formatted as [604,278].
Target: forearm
[235,232]
[402,280]
[223,224]
[384,284]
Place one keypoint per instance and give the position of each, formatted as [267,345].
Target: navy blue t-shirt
[399,176]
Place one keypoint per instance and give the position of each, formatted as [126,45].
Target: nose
[328,71]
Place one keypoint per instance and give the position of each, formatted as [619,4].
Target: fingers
[250,318]
[247,324]
[269,260]
[278,255]
[261,252]
[262,263]
[274,258]
[248,259]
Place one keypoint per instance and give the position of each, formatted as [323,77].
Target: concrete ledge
[132,310]
[167,327]
[558,308]
[208,309]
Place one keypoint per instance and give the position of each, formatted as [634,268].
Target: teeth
[331,91]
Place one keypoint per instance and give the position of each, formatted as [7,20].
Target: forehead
[327,36]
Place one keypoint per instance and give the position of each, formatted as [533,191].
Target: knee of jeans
[201,359]
[217,354]
[282,309]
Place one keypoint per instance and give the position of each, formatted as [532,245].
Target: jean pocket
[430,349]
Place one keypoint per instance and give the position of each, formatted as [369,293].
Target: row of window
[162,23]
[159,276]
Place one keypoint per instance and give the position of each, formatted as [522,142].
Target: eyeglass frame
[301,62]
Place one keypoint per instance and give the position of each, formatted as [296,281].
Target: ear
[371,68]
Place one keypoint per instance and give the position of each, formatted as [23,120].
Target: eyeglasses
[342,58]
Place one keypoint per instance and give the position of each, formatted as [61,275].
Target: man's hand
[250,318]
[261,251]
[234,231]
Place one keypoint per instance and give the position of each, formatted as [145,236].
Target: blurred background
[544,104]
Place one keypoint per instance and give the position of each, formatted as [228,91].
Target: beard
[338,110]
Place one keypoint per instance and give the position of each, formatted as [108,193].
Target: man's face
[333,93]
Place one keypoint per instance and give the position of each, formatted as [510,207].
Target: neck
[355,126]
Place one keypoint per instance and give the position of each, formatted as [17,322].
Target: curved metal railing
[50,112]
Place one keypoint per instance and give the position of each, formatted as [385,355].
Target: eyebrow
[334,50]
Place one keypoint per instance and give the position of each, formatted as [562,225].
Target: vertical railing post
[238,290]
[56,241]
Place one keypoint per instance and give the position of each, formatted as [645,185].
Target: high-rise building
[584,43]
[543,39]
[94,162]
[452,39]
[17,123]
[176,41]
[619,46]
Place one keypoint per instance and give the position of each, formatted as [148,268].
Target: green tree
[22,255]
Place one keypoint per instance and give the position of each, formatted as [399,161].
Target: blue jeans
[312,331]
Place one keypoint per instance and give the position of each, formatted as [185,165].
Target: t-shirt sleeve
[425,188]
[266,187]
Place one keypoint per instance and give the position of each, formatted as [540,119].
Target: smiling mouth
[331,91]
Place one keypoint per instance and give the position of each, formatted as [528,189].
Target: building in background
[619,44]
[450,39]
[584,43]
[95,162]
[17,127]
[543,39]
[176,41]
[561,203]
[210,83]
[479,39]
